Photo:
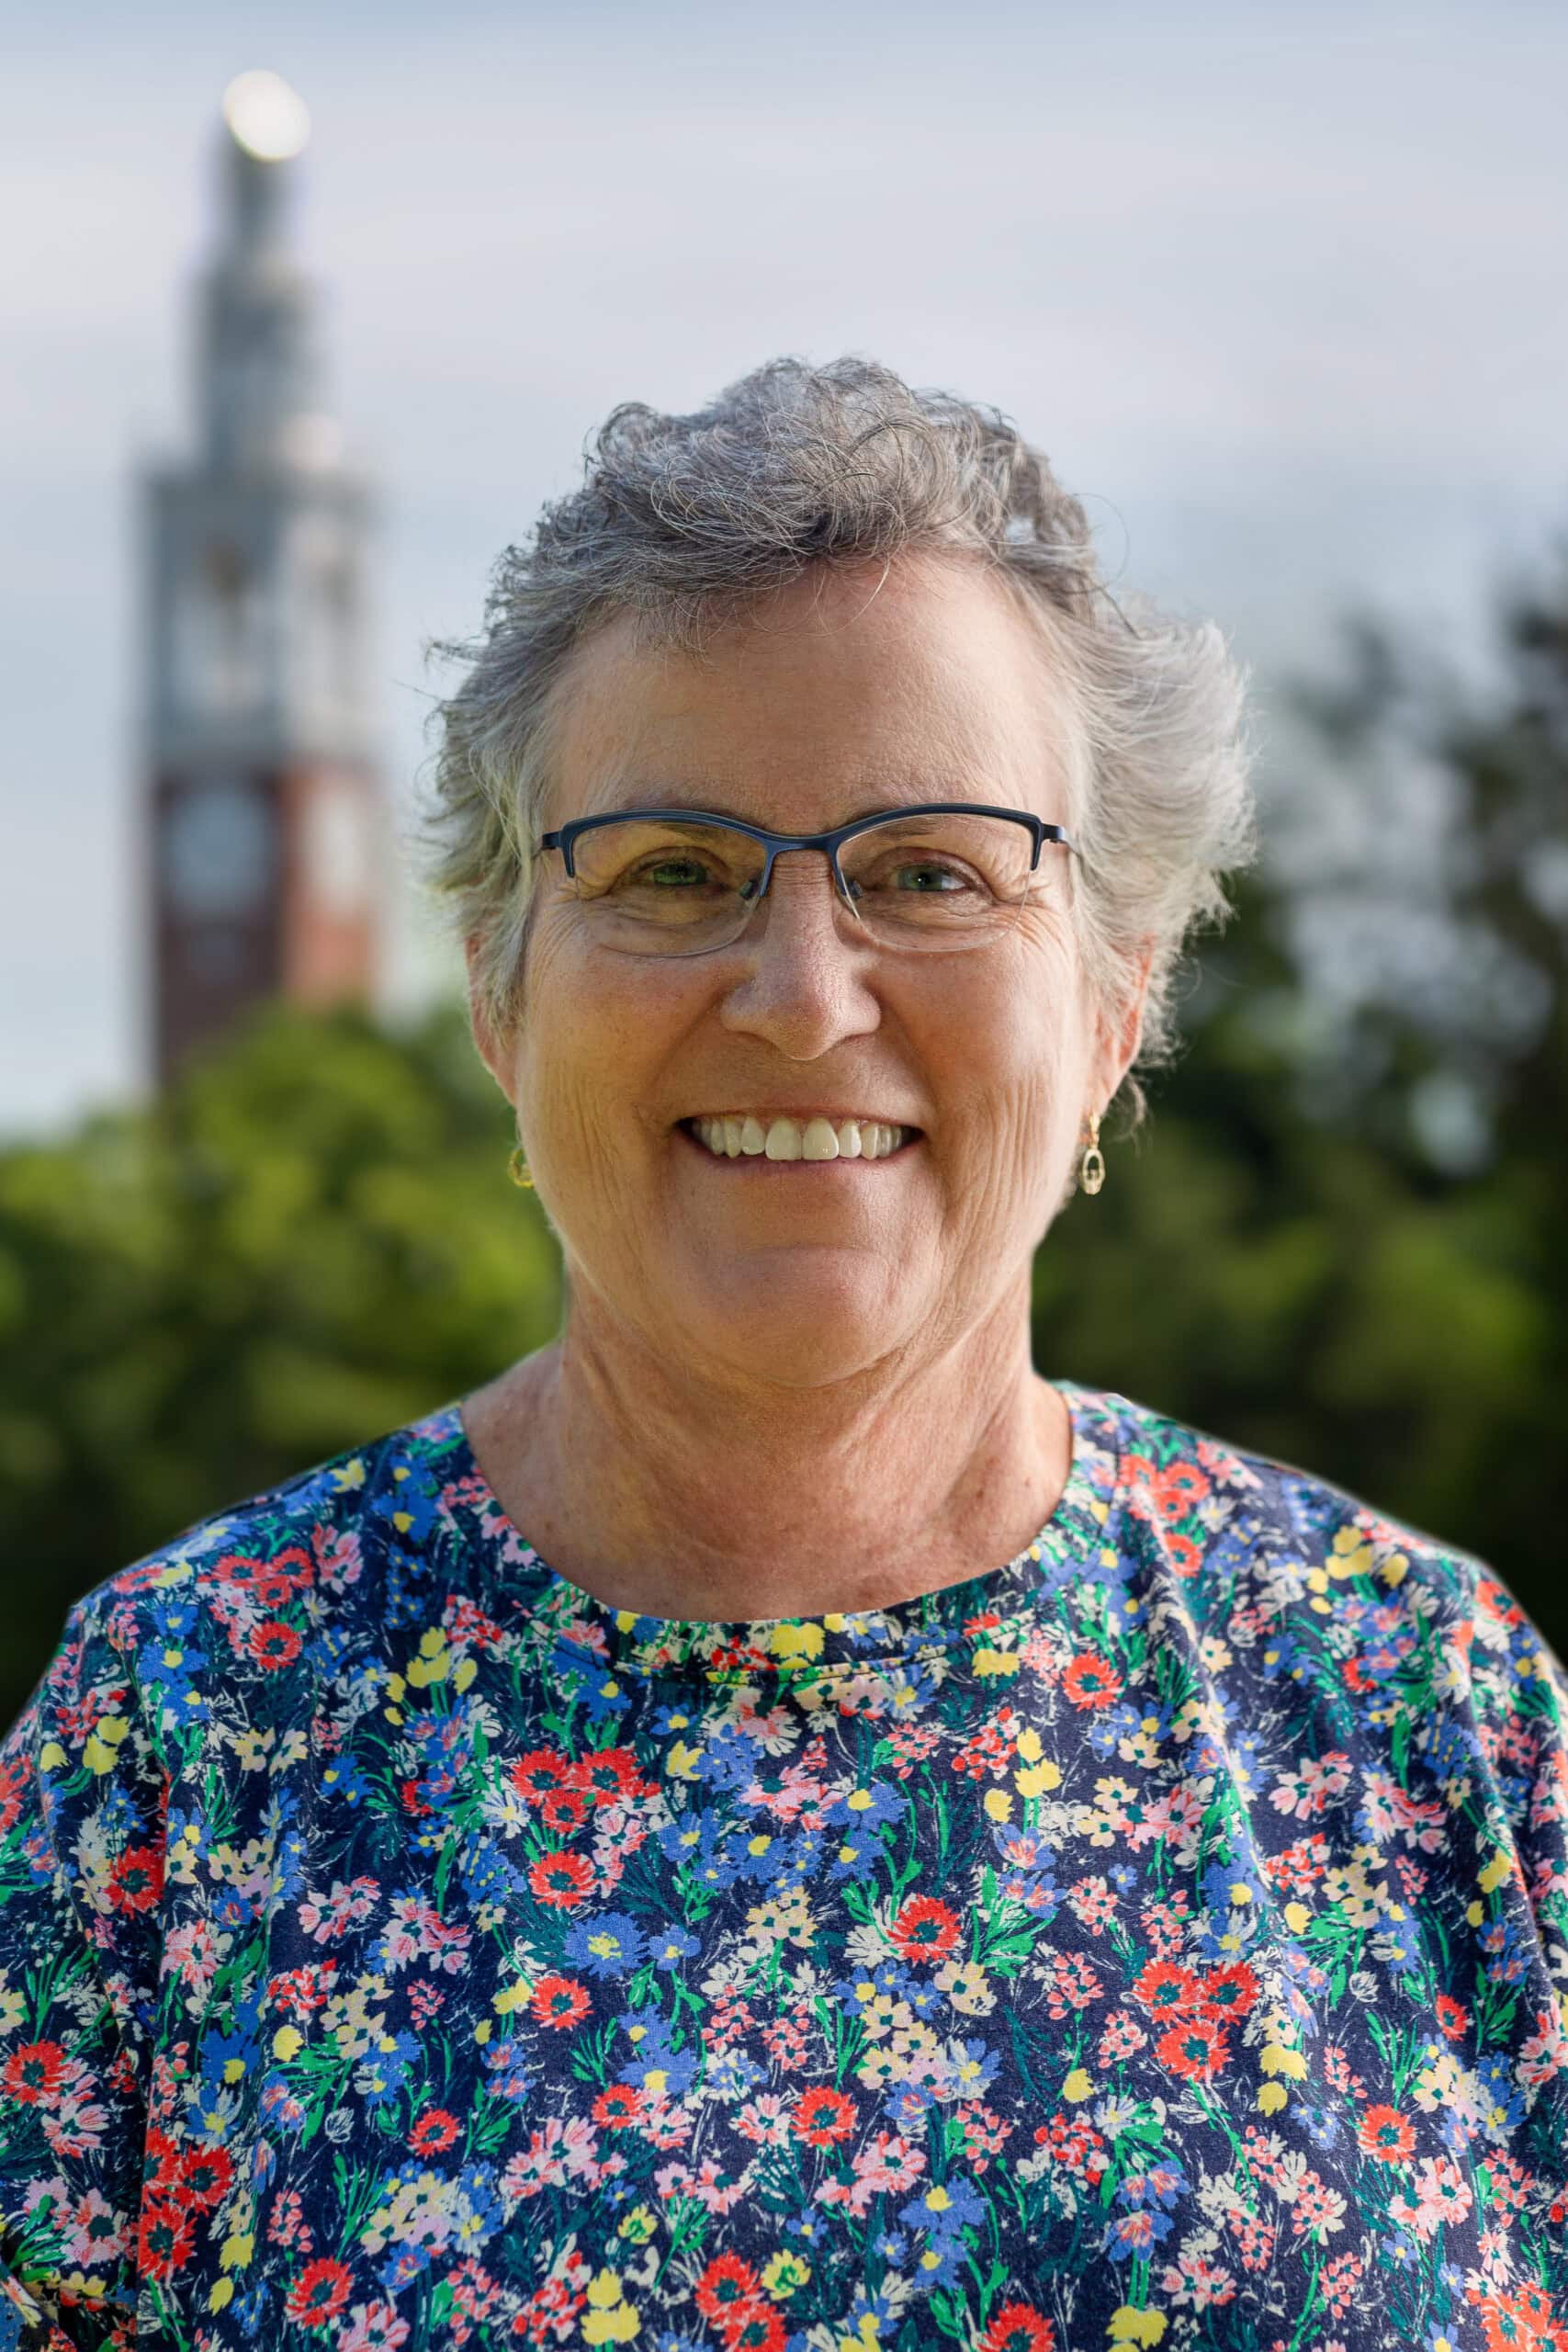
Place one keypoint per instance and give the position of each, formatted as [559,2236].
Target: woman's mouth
[749,1140]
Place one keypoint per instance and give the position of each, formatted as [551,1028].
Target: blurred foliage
[1339,1240]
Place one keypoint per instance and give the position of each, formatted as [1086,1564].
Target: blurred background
[310,310]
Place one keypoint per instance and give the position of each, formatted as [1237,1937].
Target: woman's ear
[485,1039]
[1118,1052]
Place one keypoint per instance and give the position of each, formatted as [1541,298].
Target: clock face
[218,850]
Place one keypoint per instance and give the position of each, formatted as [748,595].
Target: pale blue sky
[1282,291]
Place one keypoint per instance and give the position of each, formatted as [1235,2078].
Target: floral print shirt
[1159,1940]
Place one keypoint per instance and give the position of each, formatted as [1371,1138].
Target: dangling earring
[1092,1167]
[518,1167]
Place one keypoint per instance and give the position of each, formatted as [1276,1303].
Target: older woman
[772,1826]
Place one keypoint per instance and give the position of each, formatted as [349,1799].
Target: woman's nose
[799,977]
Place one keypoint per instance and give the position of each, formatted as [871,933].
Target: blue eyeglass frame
[564,837]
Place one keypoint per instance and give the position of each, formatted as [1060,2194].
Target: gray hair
[684,522]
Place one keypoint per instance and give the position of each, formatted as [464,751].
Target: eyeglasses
[938,874]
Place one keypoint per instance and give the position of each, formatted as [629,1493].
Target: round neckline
[986,1614]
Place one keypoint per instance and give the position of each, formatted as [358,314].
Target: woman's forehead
[840,700]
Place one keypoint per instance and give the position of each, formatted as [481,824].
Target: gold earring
[519,1168]
[1092,1168]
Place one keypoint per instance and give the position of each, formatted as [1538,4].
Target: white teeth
[743,1135]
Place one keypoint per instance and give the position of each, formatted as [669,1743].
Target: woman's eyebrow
[717,799]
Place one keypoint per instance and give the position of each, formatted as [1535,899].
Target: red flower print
[824,2115]
[611,1776]
[1018,2327]
[1518,2321]
[1186,1558]
[271,1591]
[273,1644]
[925,1929]
[272,1582]
[34,2073]
[563,1810]
[1451,2018]
[319,2293]
[236,1567]
[756,2328]
[728,2288]
[1091,1680]
[166,2239]
[561,1879]
[1197,2048]
[620,2106]
[163,2165]
[1167,1990]
[275,1586]
[535,1775]
[1179,1488]
[13,1776]
[136,1881]
[1531,2302]
[434,2131]
[1229,1992]
[1386,2134]
[559,2001]
[206,2175]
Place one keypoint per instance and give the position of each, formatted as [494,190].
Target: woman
[772,1825]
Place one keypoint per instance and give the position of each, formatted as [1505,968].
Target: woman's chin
[803,1325]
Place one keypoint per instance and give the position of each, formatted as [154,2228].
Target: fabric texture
[1161,1940]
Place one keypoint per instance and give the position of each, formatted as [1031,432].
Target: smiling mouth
[759,1162]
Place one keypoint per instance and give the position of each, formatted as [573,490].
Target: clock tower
[263,833]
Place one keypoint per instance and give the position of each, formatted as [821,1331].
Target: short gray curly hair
[687,520]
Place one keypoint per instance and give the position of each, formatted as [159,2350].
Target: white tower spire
[263,803]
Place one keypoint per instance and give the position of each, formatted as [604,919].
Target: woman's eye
[685,869]
[933,878]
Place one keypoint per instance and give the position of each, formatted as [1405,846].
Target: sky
[1280,291]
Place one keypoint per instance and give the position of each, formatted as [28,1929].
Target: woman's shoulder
[293,1576]
[1269,1544]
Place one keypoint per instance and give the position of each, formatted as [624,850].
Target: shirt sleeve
[1519,1703]
[1470,1703]
[82,1799]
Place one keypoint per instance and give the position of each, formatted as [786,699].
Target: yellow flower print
[434,1663]
[102,1752]
[1129,2325]
[794,1642]
[995,1663]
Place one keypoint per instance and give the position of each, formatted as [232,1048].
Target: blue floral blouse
[1160,1941]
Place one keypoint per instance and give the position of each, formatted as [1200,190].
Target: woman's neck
[675,1500]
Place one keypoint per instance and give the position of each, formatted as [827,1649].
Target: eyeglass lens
[681,886]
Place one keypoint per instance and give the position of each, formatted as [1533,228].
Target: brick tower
[264,834]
